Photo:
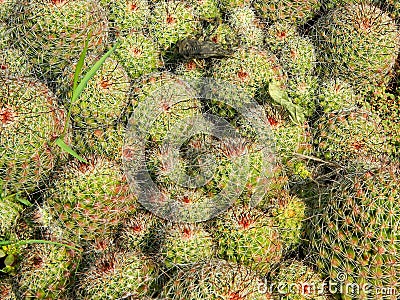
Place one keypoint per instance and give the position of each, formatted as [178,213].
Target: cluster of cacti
[355,236]
[227,149]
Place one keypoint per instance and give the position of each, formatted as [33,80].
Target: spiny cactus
[354,233]
[14,63]
[205,9]
[212,280]
[352,136]
[107,141]
[126,16]
[10,211]
[357,43]
[171,21]
[185,243]
[104,99]
[244,23]
[278,34]
[53,33]
[248,236]
[250,69]
[6,290]
[139,232]
[138,54]
[297,281]
[289,216]
[298,12]
[30,121]
[46,271]
[88,201]
[336,95]
[117,275]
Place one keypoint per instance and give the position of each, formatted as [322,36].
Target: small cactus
[46,271]
[185,243]
[117,275]
[30,121]
[53,33]
[298,12]
[357,43]
[352,136]
[88,200]
[6,290]
[212,280]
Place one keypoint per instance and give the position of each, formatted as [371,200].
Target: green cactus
[105,98]
[88,201]
[248,236]
[10,210]
[354,231]
[127,16]
[336,95]
[172,21]
[289,216]
[212,280]
[244,23]
[117,275]
[297,281]
[227,5]
[352,136]
[14,63]
[205,9]
[250,69]
[138,54]
[106,141]
[298,12]
[139,232]
[46,272]
[53,33]
[278,35]
[30,121]
[185,243]
[358,44]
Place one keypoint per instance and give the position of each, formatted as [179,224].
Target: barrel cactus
[297,281]
[53,33]
[354,235]
[88,200]
[46,271]
[248,236]
[350,137]
[116,275]
[357,43]
[10,210]
[212,280]
[30,121]
[14,63]
[138,54]
[298,12]
[126,16]
[171,21]
[185,243]
[334,95]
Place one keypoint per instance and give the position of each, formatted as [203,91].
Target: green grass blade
[80,63]
[59,142]
[79,89]
[26,242]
